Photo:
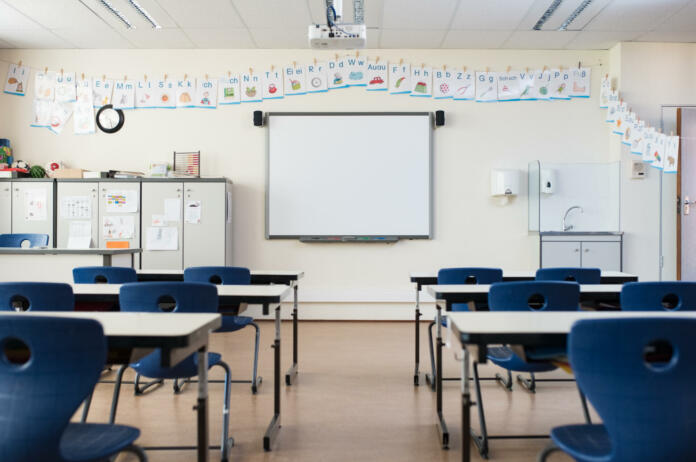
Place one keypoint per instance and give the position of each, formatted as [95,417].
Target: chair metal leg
[179,386]
[547,451]
[117,391]
[227,442]
[507,384]
[480,440]
[85,408]
[138,390]
[256,380]
[585,409]
[430,379]
[138,451]
[528,384]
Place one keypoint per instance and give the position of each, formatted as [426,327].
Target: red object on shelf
[14,169]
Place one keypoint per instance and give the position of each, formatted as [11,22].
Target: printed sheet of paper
[79,234]
[162,238]
[192,214]
[76,207]
[35,205]
[118,227]
[121,201]
[172,210]
[17,78]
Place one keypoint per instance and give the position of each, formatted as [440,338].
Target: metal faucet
[569,227]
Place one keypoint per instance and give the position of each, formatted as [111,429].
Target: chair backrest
[49,366]
[657,296]
[639,376]
[104,274]
[579,275]
[534,295]
[16,240]
[218,275]
[36,296]
[469,275]
[178,297]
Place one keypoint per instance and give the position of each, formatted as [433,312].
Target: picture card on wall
[581,83]
[612,106]
[658,154]
[65,87]
[509,86]
[251,88]
[399,78]
[228,90]
[628,121]
[637,136]
[463,85]
[671,155]
[185,92]
[542,84]
[273,84]
[206,93]
[317,78]
[526,83]
[294,80]
[356,67]
[83,118]
[649,134]
[443,86]
[560,84]
[421,82]
[337,74]
[165,93]
[124,94]
[486,87]
[377,75]
[60,114]
[41,113]
[621,112]
[17,79]
[101,91]
[145,94]
[45,85]
[604,91]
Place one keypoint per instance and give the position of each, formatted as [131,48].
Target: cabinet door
[603,255]
[127,220]
[5,207]
[204,240]
[77,201]
[32,208]
[156,196]
[554,254]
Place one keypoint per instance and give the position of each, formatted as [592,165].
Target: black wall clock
[110,120]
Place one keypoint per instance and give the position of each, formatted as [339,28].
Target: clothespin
[487,69]
[61,72]
[229,74]
[45,70]
[579,64]
[336,56]
[103,77]
[315,61]
[444,67]
[508,69]
[165,76]
[401,61]
[19,64]
[145,77]
[526,69]
[251,71]
[671,133]
[125,77]
[357,53]
[206,76]
[294,64]
[376,59]
[606,76]
[544,69]
[463,68]
[83,76]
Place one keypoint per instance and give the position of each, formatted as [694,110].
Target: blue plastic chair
[36,296]
[37,353]
[579,275]
[104,274]
[638,373]
[173,297]
[462,275]
[658,296]
[229,275]
[16,240]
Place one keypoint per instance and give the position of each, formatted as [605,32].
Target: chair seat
[93,442]
[505,358]
[585,443]
[150,367]
[233,323]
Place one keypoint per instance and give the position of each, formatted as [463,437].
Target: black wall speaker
[439,118]
[258,118]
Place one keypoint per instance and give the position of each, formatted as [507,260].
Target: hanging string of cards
[659,150]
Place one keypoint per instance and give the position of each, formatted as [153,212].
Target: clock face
[110,120]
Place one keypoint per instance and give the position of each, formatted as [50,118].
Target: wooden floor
[354,401]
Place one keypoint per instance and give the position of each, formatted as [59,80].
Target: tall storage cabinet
[33,207]
[5,207]
[211,198]
[160,199]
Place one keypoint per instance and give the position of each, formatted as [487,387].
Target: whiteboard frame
[350,238]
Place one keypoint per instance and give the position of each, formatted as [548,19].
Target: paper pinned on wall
[192,214]
[79,234]
[75,207]
[118,227]
[172,210]
[121,201]
[35,204]
[159,220]
[162,238]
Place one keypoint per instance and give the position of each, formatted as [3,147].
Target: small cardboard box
[67,173]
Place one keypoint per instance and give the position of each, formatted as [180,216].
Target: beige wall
[470,227]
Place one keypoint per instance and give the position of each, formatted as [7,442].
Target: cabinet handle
[577,250]
[188,189]
[587,250]
[178,189]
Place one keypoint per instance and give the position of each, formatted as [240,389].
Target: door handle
[687,205]
[587,250]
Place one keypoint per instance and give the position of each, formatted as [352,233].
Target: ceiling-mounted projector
[338,35]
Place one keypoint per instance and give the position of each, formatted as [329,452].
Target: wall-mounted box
[505,182]
[547,182]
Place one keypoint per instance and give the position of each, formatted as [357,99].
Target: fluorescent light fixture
[575,14]
[107,4]
[143,12]
[547,14]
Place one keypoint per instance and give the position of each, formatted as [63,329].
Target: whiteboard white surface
[349,175]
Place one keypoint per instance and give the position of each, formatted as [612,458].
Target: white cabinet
[555,254]
[32,207]
[204,239]
[5,207]
[78,201]
[598,250]
[162,206]
[604,255]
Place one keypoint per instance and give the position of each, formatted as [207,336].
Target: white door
[119,215]
[603,255]
[204,224]
[555,254]
[32,207]
[687,173]
[77,202]
[162,225]
[5,207]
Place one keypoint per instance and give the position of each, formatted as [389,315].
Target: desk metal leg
[292,372]
[202,404]
[416,374]
[442,426]
[466,407]
[274,426]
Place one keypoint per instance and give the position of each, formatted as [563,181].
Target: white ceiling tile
[98,10]
[539,39]
[10,18]
[93,37]
[158,38]
[412,14]
[640,15]
[475,38]
[273,13]
[600,40]
[409,38]
[490,14]
[220,38]
[686,36]
[682,20]
[202,13]
[57,13]
[35,38]
[373,12]
[280,38]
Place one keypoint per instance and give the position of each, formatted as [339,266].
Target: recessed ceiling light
[143,12]
[107,4]
[575,14]
[547,14]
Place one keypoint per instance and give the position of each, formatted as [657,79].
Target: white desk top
[278,290]
[63,251]
[519,274]
[298,274]
[438,291]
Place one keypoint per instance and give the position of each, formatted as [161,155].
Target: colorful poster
[509,86]
[612,106]
[486,86]
[443,83]
[356,68]
[60,114]
[337,74]
[121,201]
[124,94]
[526,83]
[560,84]
[165,94]
[294,80]
[649,135]
[145,97]
[671,163]
[65,87]
[101,91]
[45,85]
[421,82]
[250,88]
[17,79]
[317,78]
[399,78]
[604,91]
[185,92]
[581,83]
[463,85]
[542,84]
[273,84]
[206,93]
[621,112]
[41,113]
[628,121]
[83,121]
[228,90]
[376,75]
[636,140]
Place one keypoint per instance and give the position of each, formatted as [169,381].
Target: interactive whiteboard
[350,175]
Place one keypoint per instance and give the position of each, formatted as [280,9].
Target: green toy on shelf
[6,155]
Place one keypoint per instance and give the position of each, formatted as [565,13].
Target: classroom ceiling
[391,23]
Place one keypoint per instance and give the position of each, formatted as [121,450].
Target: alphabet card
[628,122]
[124,94]
[621,112]
[65,87]
[442,83]
[251,88]
[560,84]
[101,91]
[45,85]
[41,110]
[581,82]
[463,85]
[228,90]
[145,94]
[658,154]
[294,80]
[421,81]
[356,66]
[636,140]
[17,79]
[337,75]
[509,86]
[273,84]
[612,106]
[185,92]
[83,121]
[650,136]
[604,91]
[671,155]
[316,77]
[486,87]
[526,83]
[206,93]
[376,75]
[542,84]
[399,78]
[60,114]
[165,93]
